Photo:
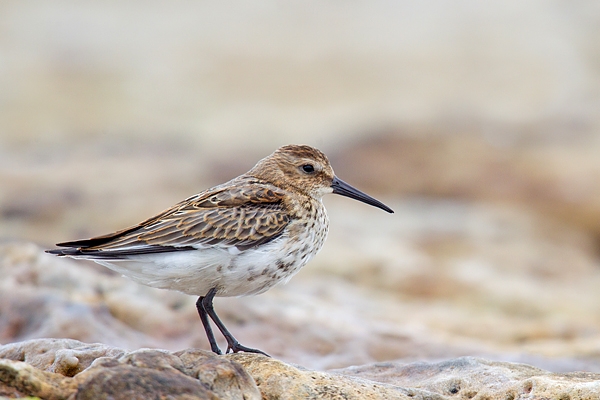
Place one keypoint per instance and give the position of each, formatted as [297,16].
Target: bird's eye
[308,168]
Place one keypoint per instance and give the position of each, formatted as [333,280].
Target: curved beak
[342,188]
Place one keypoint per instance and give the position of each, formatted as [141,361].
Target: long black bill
[342,188]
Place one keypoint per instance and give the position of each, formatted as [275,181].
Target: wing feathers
[242,215]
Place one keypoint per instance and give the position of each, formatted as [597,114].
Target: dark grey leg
[209,333]
[232,343]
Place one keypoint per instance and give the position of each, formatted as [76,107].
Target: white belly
[232,272]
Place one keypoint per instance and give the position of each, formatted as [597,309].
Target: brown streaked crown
[297,167]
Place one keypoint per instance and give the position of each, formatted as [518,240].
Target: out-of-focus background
[478,122]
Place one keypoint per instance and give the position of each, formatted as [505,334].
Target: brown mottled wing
[240,216]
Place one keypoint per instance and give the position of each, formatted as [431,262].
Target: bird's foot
[235,347]
[215,349]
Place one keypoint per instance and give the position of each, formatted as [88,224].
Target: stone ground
[64,368]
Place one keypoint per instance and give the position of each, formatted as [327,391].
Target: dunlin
[235,239]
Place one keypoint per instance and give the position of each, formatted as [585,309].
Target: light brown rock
[197,374]
[217,373]
[83,371]
[476,378]
[19,379]
[278,380]
[67,357]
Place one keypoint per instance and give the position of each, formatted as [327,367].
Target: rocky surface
[64,368]
[476,378]
[59,369]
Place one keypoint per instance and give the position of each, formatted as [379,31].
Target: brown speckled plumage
[238,238]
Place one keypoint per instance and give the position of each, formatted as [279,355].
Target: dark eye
[308,168]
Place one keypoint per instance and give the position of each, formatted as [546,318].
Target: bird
[239,238]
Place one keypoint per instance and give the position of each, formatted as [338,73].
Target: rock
[62,356]
[217,373]
[19,379]
[278,380]
[57,369]
[130,378]
[112,373]
[469,377]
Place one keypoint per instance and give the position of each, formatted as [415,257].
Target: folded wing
[235,215]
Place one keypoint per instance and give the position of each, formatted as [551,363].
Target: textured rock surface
[277,380]
[100,372]
[469,377]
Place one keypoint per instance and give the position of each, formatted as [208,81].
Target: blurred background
[478,122]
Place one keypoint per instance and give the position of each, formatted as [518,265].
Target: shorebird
[235,239]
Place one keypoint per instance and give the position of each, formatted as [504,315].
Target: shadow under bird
[238,238]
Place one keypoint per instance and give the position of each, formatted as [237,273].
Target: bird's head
[307,170]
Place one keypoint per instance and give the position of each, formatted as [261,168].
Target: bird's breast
[280,259]
[307,233]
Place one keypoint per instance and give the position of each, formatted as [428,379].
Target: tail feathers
[63,252]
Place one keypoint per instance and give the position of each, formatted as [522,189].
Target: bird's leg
[232,343]
[209,333]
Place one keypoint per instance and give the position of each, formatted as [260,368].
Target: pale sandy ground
[479,124]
